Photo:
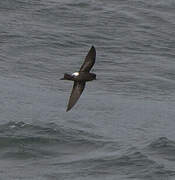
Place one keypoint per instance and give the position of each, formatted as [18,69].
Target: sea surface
[123,126]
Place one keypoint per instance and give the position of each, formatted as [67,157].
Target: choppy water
[123,125]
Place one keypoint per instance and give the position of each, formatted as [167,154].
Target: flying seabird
[81,77]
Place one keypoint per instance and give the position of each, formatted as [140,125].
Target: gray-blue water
[123,126]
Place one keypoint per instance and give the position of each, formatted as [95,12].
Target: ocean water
[123,126]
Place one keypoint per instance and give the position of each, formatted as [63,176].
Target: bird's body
[81,77]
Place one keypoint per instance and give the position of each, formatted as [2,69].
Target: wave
[82,153]
[135,165]
[47,139]
[163,147]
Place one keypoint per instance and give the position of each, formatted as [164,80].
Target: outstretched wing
[77,90]
[89,60]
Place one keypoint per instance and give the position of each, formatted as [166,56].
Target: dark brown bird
[81,77]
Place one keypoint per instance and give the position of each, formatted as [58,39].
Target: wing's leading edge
[89,60]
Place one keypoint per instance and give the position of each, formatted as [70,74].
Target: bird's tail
[67,77]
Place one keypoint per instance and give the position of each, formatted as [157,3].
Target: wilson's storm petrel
[81,77]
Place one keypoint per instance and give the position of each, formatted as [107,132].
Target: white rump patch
[75,74]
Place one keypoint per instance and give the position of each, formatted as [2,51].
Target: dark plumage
[81,77]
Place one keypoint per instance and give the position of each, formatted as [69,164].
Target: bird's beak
[62,78]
